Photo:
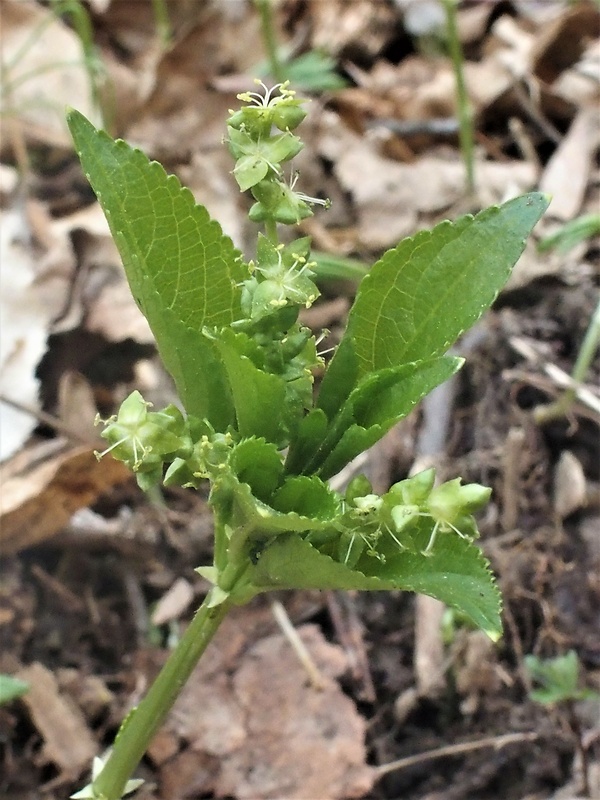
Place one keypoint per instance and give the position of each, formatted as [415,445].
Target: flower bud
[416,489]
[450,501]
[359,486]
[288,115]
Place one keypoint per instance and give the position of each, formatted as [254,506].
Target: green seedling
[558,679]
[558,686]
[228,330]
[11,688]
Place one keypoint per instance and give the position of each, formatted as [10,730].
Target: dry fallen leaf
[35,271]
[68,742]
[392,198]
[173,603]
[566,175]
[302,742]
[257,728]
[101,297]
[45,484]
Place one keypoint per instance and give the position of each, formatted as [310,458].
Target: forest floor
[97,579]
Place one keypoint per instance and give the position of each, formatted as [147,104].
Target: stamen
[349,548]
[108,449]
[432,538]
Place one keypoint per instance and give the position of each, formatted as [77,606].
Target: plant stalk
[138,730]
[465,114]
[271,231]
[265,9]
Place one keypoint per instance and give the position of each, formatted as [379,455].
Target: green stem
[465,115]
[265,9]
[138,730]
[271,231]
[587,351]
[162,22]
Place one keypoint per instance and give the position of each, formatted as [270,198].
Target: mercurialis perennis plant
[228,330]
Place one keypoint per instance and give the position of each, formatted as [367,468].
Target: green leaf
[11,688]
[308,438]
[197,369]
[182,270]
[257,463]
[259,397]
[261,521]
[456,573]
[337,268]
[420,296]
[314,71]
[379,401]
[308,496]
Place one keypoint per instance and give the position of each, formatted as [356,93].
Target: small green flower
[277,106]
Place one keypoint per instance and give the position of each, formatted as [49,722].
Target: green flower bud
[288,114]
[249,170]
[448,502]
[294,343]
[416,489]
[268,296]
[255,159]
[180,473]
[253,118]
[474,497]
[359,486]
[278,202]
[264,110]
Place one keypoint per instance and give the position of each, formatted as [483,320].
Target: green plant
[229,333]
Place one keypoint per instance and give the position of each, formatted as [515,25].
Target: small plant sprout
[557,679]
[558,686]
[229,332]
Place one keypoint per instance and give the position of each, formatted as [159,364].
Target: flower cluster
[396,514]
[145,440]
[259,153]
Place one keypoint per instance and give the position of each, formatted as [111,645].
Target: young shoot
[253,426]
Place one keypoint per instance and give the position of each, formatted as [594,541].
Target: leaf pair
[410,308]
